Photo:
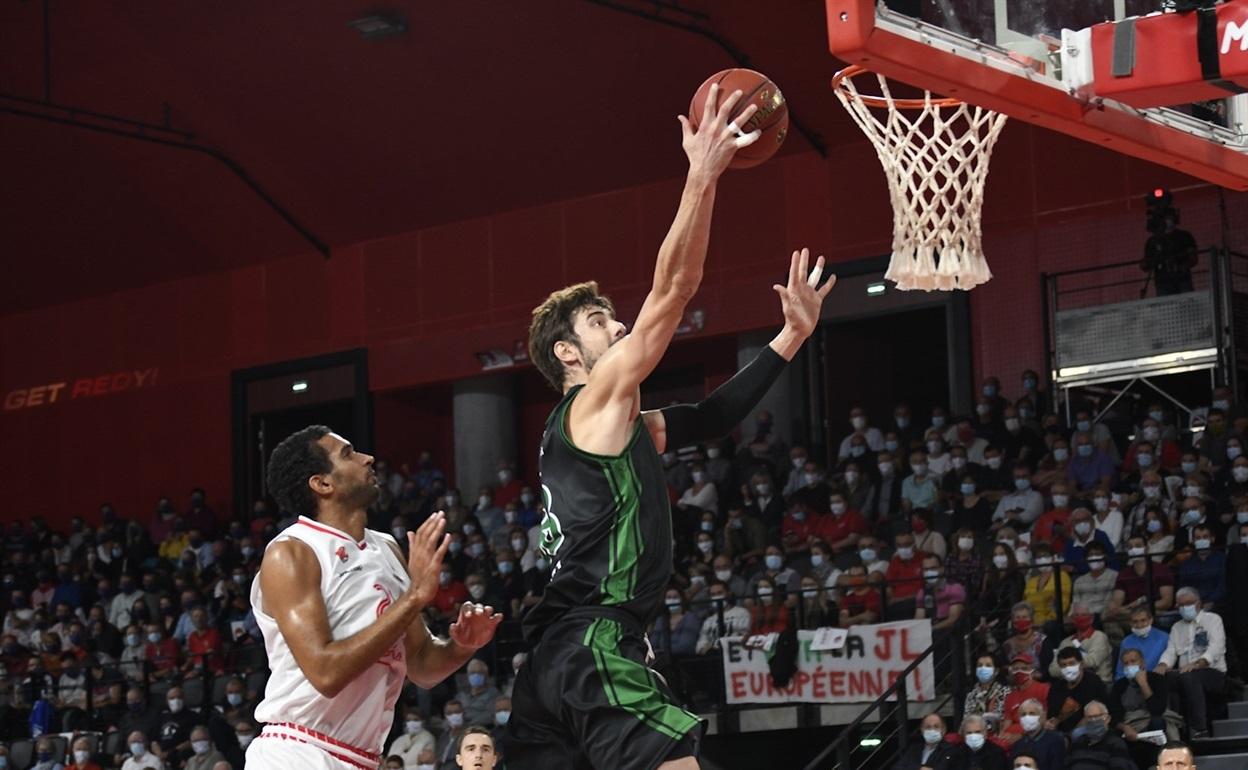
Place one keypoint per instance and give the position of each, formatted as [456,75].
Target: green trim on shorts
[632,687]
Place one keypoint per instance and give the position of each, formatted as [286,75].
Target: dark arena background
[222,221]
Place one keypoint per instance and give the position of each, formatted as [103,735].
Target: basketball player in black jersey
[585,698]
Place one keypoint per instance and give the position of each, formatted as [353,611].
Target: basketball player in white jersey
[340,613]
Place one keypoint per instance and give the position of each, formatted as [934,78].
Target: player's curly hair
[293,462]
[552,322]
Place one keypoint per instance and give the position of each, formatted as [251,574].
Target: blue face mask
[1188,612]
[1022,485]
[476,680]
[990,391]
[890,445]
[1085,450]
[1131,671]
[773,561]
[938,421]
[985,673]
[968,489]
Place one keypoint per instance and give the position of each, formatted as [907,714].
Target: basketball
[772,117]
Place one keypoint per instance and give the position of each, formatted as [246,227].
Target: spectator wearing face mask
[941,601]
[745,537]
[801,527]
[80,753]
[1092,644]
[971,507]
[856,487]
[920,489]
[886,502]
[1205,571]
[203,753]
[1023,687]
[976,752]
[1234,484]
[1093,746]
[1019,442]
[768,613]
[676,629]
[451,593]
[860,427]
[932,752]
[426,760]
[796,474]
[702,495]
[843,527]
[1072,690]
[725,619]
[988,694]
[963,565]
[1090,466]
[1082,535]
[509,484]
[1213,439]
[245,732]
[1053,527]
[1139,703]
[414,739]
[1022,506]
[926,538]
[1095,588]
[1191,516]
[448,741]
[762,501]
[174,724]
[996,477]
[904,576]
[1166,454]
[478,697]
[1025,634]
[163,654]
[1041,588]
[140,757]
[860,602]
[1045,748]
[236,705]
[45,758]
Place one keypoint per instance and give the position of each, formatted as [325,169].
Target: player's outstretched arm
[678,270]
[290,582]
[801,301]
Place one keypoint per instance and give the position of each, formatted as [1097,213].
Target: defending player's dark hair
[293,462]
[552,322]
[473,730]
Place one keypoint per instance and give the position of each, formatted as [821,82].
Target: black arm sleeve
[729,404]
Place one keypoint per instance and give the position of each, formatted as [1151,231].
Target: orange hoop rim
[884,103]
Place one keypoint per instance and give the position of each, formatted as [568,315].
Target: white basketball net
[936,161]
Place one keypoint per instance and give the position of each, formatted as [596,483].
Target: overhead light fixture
[299,386]
[869,743]
[381,24]
[876,289]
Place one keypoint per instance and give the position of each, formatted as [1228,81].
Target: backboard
[1033,60]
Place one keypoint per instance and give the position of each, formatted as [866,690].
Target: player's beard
[362,495]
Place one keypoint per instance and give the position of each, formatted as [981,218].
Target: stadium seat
[21,754]
[218,689]
[114,743]
[193,692]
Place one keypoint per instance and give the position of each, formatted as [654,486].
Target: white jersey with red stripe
[358,582]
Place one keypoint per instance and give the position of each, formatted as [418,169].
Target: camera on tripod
[1160,207]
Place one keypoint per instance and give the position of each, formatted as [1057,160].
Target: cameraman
[1169,253]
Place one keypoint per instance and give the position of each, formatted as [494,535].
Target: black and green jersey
[607,529]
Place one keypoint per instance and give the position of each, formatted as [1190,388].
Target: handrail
[897,688]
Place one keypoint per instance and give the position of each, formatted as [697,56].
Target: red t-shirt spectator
[766,620]
[837,528]
[163,656]
[796,532]
[1171,457]
[1037,690]
[508,492]
[450,596]
[1134,585]
[905,578]
[204,648]
[856,603]
[1042,532]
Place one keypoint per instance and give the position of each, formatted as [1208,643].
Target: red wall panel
[424,302]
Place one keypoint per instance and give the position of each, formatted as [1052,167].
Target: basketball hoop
[936,164]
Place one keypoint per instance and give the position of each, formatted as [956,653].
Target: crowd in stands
[1086,563]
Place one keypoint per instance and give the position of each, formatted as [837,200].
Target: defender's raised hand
[800,300]
[426,547]
[710,148]
[475,626]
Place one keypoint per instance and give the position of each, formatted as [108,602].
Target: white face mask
[993,462]
[518,545]
[838,508]
[1000,561]
[886,469]
[1060,501]
[723,575]
[966,543]
[712,453]
[816,560]
[851,477]
[138,749]
[455,720]
[905,553]
[476,591]
[858,422]
[1240,473]
[81,757]
[1101,504]
[175,705]
[1071,673]
[919,468]
[1083,529]
[1029,722]
[245,739]
[201,747]
[413,726]
[932,737]
[705,546]
[1143,632]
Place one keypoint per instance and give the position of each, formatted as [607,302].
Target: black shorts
[585,699]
